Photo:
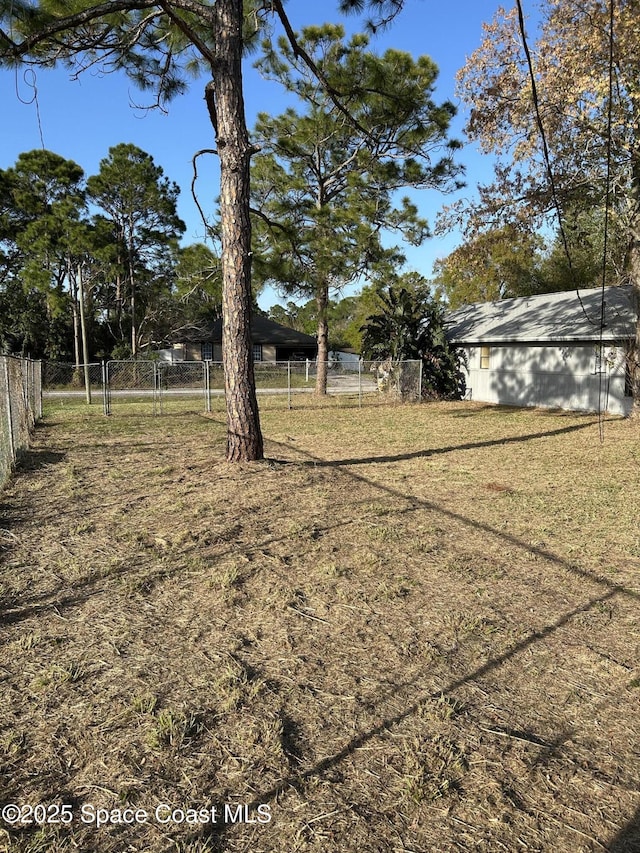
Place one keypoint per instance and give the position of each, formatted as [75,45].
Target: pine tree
[324,186]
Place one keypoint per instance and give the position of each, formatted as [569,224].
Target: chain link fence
[20,408]
[117,383]
[60,379]
[130,380]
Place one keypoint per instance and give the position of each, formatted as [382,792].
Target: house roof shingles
[546,317]
[263,331]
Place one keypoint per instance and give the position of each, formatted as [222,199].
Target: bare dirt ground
[412,628]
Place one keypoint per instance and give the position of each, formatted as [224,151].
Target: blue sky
[81,119]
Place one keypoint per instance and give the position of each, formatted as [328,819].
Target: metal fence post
[106,396]
[28,393]
[39,389]
[207,387]
[12,447]
[157,392]
[32,389]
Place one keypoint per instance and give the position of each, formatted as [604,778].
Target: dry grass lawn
[412,628]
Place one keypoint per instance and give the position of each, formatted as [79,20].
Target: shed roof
[566,316]
[263,331]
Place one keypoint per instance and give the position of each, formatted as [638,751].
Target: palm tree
[411,327]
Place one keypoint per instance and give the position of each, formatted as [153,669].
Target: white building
[549,350]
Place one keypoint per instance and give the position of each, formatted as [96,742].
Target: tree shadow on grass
[631,834]
[436,451]
[36,460]
[472,411]
[475,525]
[623,843]
[628,839]
[28,461]
[79,592]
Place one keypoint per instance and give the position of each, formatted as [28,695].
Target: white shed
[548,350]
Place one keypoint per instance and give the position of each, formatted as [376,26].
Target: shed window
[207,352]
[257,352]
[485,357]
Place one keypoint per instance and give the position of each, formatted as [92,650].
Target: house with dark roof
[271,342]
[563,350]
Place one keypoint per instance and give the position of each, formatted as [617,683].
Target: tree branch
[187,30]
[270,222]
[202,151]
[301,53]
[69,22]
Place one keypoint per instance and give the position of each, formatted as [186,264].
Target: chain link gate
[159,382]
[127,380]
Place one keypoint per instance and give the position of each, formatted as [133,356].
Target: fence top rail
[69,366]
[21,358]
[265,363]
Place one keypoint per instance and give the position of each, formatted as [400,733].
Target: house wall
[193,352]
[562,376]
[172,354]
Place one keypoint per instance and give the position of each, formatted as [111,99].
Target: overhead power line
[607,210]
[556,203]
[547,157]
[30,83]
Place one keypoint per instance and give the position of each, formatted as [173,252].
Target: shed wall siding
[552,376]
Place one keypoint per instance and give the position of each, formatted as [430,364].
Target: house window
[207,352]
[257,352]
[485,357]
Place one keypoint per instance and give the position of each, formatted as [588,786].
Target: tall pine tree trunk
[226,107]
[85,340]
[76,328]
[322,303]
[132,293]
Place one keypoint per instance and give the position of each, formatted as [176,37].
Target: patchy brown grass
[412,628]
